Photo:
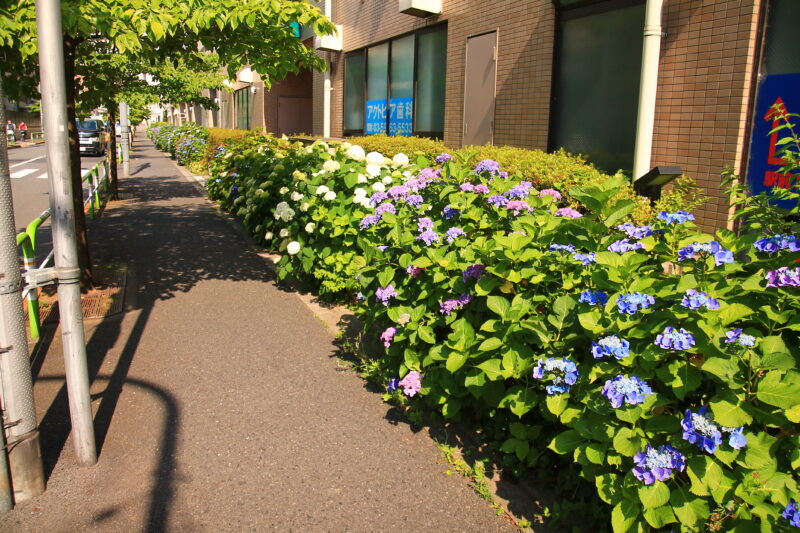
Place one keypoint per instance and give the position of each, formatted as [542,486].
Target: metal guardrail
[97,179]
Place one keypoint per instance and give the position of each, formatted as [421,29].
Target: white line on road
[26,162]
[42,177]
[22,173]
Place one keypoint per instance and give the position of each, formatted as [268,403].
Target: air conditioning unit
[329,43]
[421,8]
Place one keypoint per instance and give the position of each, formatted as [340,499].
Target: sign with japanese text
[398,112]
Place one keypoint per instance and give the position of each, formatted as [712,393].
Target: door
[479,89]
[294,115]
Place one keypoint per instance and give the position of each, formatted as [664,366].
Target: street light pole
[54,104]
[126,138]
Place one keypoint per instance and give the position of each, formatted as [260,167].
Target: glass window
[242,108]
[377,88]
[780,52]
[401,103]
[431,70]
[354,92]
[597,88]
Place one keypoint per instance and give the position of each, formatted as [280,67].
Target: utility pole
[54,104]
[20,429]
[126,139]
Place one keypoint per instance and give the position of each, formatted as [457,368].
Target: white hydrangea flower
[317,173]
[284,232]
[356,152]
[284,212]
[310,227]
[321,143]
[332,151]
[361,191]
[304,207]
[407,174]
[268,236]
[345,145]
[400,160]
[296,196]
[375,158]
[331,166]
[378,187]
[330,196]
[362,178]
[365,202]
[284,190]
[293,248]
[309,149]
[322,189]
[373,170]
[387,180]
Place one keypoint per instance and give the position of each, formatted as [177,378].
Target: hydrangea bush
[658,362]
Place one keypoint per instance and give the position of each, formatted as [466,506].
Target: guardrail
[97,179]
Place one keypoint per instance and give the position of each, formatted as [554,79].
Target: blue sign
[400,113]
[780,91]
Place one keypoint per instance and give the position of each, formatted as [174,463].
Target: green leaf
[690,510]
[628,444]
[660,516]
[595,452]
[499,305]
[758,452]
[492,343]
[733,313]
[561,310]
[386,277]
[793,414]
[725,367]
[619,210]
[654,495]
[662,424]
[624,515]
[591,321]
[493,369]
[566,442]
[426,334]
[556,403]
[455,360]
[609,488]
[727,410]
[774,390]
[519,400]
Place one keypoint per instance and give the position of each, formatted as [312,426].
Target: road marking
[43,176]
[22,173]
[26,162]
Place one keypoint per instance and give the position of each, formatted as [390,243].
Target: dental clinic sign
[397,114]
[777,94]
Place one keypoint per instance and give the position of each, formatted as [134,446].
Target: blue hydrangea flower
[392,385]
[428,237]
[585,259]
[520,191]
[497,200]
[450,212]
[679,217]
[792,513]
[473,271]
[360,296]
[443,158]
[385,207]
[594,297]
[611,346]
[635,232]
[657,464]
[777,242]
[630,303]
[624,245]
[628,390]
[736,438]
[562,248]
[424,223]
[384,294]
[377,198]
[563,373]
[721,255]
[454,233]
[414,200]
[694,300]
[735,335]
[700,429]
[675,339]
[487,165]
[369,221]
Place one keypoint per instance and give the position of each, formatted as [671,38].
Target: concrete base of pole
[25,465]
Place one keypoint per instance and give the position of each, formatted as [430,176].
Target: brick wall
[294,85]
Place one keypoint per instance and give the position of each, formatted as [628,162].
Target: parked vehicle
[92,136]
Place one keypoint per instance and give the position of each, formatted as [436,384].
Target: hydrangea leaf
[557,403]
[725,367]
[654,495]
[595,452]
[566,442]
[662,424]
[591,321]
[733,312]
[727,410]
[426,334]
[499,305]
[492,343]
[609,488]
[690,510]
[628,444]
[456,360]
[774,390]
[493,369]
[624,515]
[758,452]
[519,400]
[660,516]
[793,414]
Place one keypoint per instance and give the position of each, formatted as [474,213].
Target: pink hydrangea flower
[550,192]
[568,212]
[388,335]
[411,383]
[517,206]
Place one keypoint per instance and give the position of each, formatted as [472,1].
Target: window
[397,87]
[242,106]
[597,71]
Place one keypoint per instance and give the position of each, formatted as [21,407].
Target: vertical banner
[375,117]
[776,92]
[398,112]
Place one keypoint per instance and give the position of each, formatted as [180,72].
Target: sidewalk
[219,404]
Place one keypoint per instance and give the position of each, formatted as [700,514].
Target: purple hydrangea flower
[385,207]
[414,200]
[481,189]
[448,306]
[700,429]
[563,374]
[411,384]
[624,245]
[520,191]
[635,232]
[550,192]
[679,217]
[792,513]
[487,165]
[454,233]
[721,254]
[611,346]
[443,158]
[777,242]
[567,212]
[388,335]
[675,339]
[473,271]
[360,296]
[466,187]
[428,237]
[585,259]
[369,221]
[383,247]
[385,294]
[657,464]
[450,212]
[392,385]
[783,277]
[630,303]
[694,300]
[562,248]
[594,297]
[628,390]
[735,335]
[497,200]
[377,198]
[424,223]
[398,191]
[414,271]
[518,206]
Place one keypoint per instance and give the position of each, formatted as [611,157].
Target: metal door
[479,89]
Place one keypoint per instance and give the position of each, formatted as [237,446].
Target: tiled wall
[296,85]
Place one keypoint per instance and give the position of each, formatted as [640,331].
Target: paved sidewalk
[219,404]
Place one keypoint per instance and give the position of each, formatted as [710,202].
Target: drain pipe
[326,86]
[645,122]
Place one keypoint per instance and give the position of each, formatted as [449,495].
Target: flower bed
[653,364]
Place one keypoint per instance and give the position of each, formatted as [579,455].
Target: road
[30,188]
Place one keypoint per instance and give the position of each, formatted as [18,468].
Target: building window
[242,106]
[597,75]
[397,87]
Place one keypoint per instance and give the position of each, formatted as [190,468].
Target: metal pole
[123,123]
[19,412]
[645,122]
[54,102]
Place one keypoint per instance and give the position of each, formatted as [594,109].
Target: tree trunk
[84,260]
[112,150]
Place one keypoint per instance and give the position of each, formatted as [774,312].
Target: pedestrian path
[219,402]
